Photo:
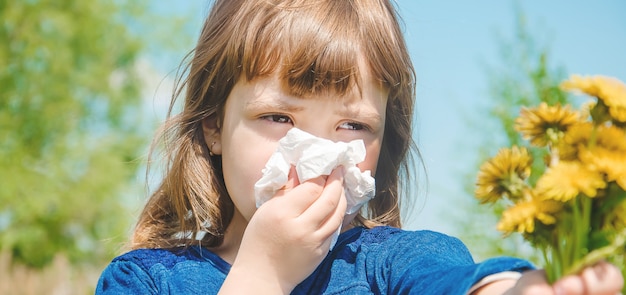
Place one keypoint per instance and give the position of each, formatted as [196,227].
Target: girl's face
[258,113]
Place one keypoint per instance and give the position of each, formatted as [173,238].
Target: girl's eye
[352,126]
[277,118]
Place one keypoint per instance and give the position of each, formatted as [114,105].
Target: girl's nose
[317,130]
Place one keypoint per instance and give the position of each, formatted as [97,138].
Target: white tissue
[313,156]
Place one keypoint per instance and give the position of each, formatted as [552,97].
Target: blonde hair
[313,46]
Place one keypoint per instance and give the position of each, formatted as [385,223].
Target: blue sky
[450,42]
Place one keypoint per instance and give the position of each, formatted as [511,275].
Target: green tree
[69,127]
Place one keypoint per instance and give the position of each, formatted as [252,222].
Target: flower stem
[554,256]
[599,254]
[582,219]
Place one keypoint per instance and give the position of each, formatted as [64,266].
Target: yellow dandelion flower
[567,179]
[585,109]
[503,175]
[612,163]
[545,124]
[611,137]
[577,136]
[522,216]
[610,91]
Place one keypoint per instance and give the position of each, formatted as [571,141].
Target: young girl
[337,69]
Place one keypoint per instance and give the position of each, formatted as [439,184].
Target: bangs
[319,47]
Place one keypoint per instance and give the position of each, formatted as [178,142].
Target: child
[337,69]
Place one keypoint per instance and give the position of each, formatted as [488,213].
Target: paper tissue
[313,156]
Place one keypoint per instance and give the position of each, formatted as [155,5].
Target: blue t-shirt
[381,260]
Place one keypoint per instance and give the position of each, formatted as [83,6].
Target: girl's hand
[289,235]
[600,279]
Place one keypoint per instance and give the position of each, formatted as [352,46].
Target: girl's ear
[212,135]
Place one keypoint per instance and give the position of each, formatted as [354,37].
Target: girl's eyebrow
[273,104]
[360,114]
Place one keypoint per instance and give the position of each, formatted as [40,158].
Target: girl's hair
[313,46]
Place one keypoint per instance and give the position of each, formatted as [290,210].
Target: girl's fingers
[335,216]
[319,204]
[292,181]
[601,278]
[330,207]
[571,285]
[335,220]
[296,197]
[604,273]
[532,282]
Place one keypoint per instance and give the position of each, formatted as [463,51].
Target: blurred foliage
[524,77]
[69,114]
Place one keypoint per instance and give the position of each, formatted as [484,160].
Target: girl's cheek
[371,159]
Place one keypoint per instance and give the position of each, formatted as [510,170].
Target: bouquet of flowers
[565,191]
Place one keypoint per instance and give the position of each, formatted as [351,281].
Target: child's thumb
[292,181]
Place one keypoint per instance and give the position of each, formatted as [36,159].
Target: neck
[232,238]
